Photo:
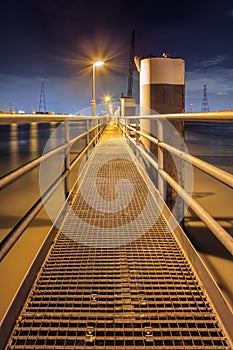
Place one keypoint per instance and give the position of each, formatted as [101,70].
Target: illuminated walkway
[116,276]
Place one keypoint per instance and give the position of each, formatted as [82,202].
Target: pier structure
[117,271]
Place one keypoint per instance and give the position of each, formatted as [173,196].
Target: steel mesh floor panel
[95,293]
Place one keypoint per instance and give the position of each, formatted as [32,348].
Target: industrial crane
[131,65]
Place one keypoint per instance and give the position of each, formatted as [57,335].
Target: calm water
[212,142]
[19,144]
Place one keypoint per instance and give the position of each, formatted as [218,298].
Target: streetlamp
[93,101]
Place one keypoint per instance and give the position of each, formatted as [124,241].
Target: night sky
[57,40]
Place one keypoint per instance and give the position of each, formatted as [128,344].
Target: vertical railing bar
[160,158]
[67,159]
[87,138]
[137,138]
[95,132]
[98,129]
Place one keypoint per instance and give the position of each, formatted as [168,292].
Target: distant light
[107,99]
[98,63]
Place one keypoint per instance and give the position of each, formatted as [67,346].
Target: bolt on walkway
[116,277]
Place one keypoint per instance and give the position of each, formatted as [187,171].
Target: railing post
[137,138]
[160,158]
[87,137]
[123,121]
[99,129]
[95,131]
[125,127]
[67,159]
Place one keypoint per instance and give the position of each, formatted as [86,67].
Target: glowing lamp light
[98,63]
[107,99]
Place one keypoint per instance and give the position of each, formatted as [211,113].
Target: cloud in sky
[213,61]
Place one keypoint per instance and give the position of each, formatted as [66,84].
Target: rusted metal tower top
[131,65]
[42,103]
[205,104]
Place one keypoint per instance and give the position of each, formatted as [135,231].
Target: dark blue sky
[57,40]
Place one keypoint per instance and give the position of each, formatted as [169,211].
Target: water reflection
[14,137]
[13,144]
[34,137]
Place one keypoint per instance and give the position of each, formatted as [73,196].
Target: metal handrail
[223,236]
[226,178]
[11,238]
[209,169]
[7,243]
[6,118]
[19,172]
[24,169]
[218,116]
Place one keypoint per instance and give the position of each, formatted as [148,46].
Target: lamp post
[93,101]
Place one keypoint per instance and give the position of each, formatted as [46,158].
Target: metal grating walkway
[108,283]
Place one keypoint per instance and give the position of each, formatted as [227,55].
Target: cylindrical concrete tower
[161,83]
[162,86]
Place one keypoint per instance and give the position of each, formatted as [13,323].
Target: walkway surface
[116,276]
